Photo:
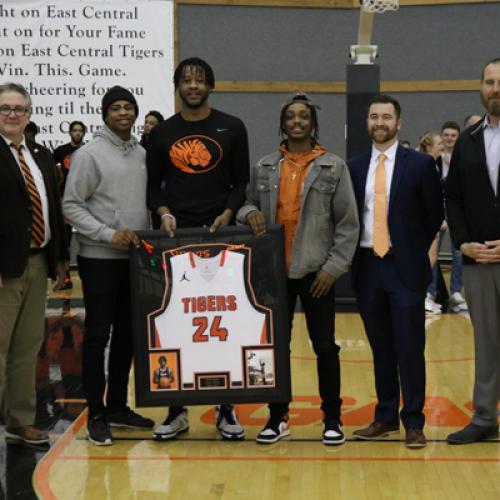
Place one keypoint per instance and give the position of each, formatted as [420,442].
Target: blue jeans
[456,269]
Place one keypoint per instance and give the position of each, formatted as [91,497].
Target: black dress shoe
[473,433]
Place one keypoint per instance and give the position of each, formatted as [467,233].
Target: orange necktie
[37,224]
[380,227]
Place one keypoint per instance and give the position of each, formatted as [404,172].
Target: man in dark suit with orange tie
[32,247]
[400,208]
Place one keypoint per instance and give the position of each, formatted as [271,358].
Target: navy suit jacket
[415,213]
[15,213]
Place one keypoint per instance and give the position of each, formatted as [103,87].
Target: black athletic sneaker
[98,430]
[332,433]
[275,429]
[127,418]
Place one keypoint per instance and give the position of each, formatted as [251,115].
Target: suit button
[29,230]
[30,208]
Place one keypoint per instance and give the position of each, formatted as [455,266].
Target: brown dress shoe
[376,430]
[27,434]
[415,438]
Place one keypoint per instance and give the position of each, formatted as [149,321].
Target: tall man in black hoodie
[201,156]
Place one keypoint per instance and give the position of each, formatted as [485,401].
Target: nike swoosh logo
[221,129]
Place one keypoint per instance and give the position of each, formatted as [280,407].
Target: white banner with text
[68,53]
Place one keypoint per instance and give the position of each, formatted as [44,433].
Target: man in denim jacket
[309,191]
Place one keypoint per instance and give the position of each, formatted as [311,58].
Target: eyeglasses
[119,107]
[17,110]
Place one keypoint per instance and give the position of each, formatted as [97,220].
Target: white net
[380,6]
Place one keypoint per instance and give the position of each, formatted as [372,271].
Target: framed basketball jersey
[210,318]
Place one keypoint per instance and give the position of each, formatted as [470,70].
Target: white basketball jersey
[209,316]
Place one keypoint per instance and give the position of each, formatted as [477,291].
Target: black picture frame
[161,318]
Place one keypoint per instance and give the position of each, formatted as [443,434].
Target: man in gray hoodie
[105,200]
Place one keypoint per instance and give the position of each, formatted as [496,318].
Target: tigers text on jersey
[210,317]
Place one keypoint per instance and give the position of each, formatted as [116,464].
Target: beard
[77,140]
[197,105]
[378,138]
[492,104]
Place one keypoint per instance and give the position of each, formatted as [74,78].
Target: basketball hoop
[365,52]
[379,6]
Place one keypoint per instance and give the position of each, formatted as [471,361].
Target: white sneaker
[432,307]
[458,303]
[332,433]
[227,423]
[457,298]
[274,430]
[173,425]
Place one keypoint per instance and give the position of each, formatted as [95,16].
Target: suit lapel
[397,175]
[478,138]
[12,166]
[40,161]
[363,174]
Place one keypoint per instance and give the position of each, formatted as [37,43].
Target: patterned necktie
[380,227]
[37,224]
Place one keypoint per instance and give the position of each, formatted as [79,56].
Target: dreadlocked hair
[301,98]
[201,66]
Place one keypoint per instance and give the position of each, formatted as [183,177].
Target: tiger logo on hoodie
[196,154]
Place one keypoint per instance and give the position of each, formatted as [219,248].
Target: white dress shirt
[445,162]
[37,178]
[367,231]
[492,149]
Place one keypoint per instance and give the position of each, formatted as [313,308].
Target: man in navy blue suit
[400,208]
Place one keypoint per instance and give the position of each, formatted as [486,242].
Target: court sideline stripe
[41,483]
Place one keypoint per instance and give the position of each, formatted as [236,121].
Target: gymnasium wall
[434,53]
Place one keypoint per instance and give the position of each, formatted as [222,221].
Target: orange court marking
[439,412]
[282,459]
[41,475]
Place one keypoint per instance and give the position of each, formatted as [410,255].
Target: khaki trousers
[22,319]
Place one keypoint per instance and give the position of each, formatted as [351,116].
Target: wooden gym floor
[200,465]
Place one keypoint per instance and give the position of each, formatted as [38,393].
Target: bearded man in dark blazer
[400,206]
[473,207]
